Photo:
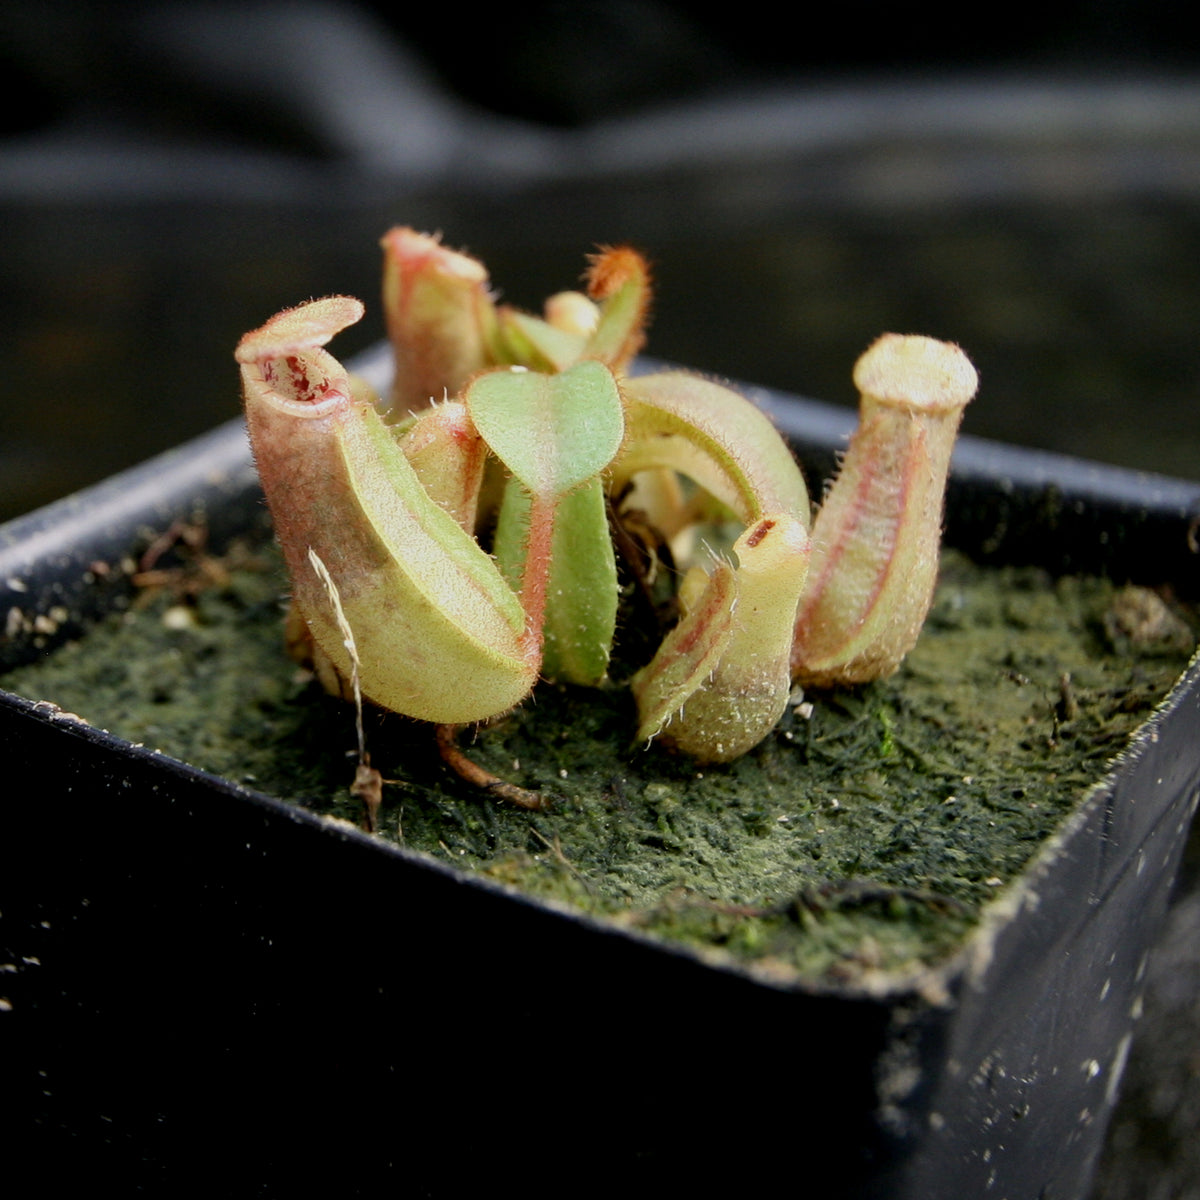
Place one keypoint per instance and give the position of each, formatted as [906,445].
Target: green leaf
[553,432]
[581,592]
[537,344]
[581,601]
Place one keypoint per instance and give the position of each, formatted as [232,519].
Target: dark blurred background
[172,174]
[1024,181]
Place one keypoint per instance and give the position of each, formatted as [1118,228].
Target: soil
[865,835]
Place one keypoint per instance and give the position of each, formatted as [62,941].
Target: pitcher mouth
[286,366]
[309,384]
[315,395]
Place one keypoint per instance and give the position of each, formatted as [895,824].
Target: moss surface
[866,832]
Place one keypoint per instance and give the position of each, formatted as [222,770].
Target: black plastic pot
[209,991]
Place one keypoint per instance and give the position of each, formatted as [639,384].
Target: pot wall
[198,967]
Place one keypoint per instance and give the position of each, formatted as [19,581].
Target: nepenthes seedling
[466,528]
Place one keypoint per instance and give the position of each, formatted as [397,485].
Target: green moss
[864,834]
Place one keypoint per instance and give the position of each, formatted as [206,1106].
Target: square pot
[207,988]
